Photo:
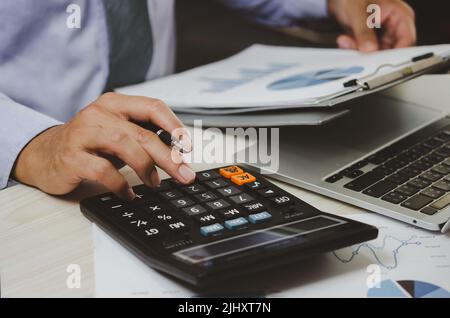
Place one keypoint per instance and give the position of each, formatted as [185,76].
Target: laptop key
[433,192]
[429,210]
[432,143]
[407,190]
[417,202]
[431,176]
[394,197]
[433,158]
[395,163]
[397,179]
[443,185]
[441,169]
[364,181]
[443,151]
[420,183]
[442,202]
[410,172]
[380,188]
[354,174]
[384,170]
[421,165]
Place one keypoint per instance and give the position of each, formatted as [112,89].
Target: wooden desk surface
[41,235]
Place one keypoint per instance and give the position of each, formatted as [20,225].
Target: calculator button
[254,185]
[211,229]
[228,172]
[194,188]
[152,232]
[154,208]
[194,210]
[235,223]
[181,203]
[259,217]
[254,207]
[206,219]
[173,194]
[219,204]
[267,192]
[139,223]
[218,183]
[143,194]
[177,226]
[231,213]
[207,175]
[243,178]
[282,200]
[207,196]
[164,186]
[164,218]
[242,198]
[111,201]
[127,215]
[229,191]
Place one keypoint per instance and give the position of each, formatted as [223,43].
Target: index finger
[142,109]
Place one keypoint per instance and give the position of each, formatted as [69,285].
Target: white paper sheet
[403,253]
[271,76]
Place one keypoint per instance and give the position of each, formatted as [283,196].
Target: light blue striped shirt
[48,72]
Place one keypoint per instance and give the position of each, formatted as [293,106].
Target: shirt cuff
[307,8]
[18,126]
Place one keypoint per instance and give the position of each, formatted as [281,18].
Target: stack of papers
[263,78]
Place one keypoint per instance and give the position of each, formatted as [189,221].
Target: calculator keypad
[221,203]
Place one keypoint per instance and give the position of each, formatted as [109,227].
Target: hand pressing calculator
[230,222]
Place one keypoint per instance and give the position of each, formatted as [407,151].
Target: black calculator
[230,222]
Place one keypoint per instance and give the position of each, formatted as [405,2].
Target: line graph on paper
[386,254]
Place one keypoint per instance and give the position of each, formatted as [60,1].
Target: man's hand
[59,159]
[397,20]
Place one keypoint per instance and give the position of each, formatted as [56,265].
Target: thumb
[366,38]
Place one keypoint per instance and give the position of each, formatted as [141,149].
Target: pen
[163,135]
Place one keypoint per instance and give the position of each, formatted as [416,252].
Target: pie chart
[407,289]
[314,78]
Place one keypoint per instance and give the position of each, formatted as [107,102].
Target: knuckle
[93,110]
[119,136]
[101,170]
[107,97]
[158,105]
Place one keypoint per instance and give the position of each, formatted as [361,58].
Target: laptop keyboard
[415,176]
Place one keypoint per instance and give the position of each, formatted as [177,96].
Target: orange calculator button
[243,178]
[228,172]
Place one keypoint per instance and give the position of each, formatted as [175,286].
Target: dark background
[208,32]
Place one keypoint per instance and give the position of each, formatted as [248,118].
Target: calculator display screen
[233,245]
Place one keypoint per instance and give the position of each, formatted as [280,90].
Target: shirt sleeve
[18,125]
[280,13]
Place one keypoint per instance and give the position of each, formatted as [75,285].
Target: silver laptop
[387,156]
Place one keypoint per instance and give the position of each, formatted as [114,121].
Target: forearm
[279,13]
[18,125]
